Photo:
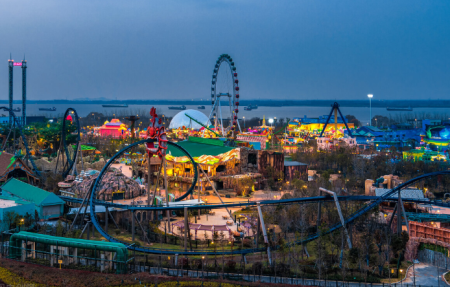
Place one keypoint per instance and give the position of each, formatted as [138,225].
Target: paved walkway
[426,275]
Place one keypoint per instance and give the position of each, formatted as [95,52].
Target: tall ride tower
[10,68]
[24,91]
[23,65]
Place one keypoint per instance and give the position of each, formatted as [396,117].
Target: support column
[132,225]
[10,68]
[75,256]
[166,188]
[186,227]
[93,229]
[102,262]
[399,213]
[33,250]
[263,227]
[335,121]
[110,259]
[338,207]
[65,251]
[404,215]
[52,255]
[148,182]
[106,219]
[24,92]
[24,251]
[319,212]
[199,196]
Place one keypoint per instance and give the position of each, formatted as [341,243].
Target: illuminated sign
[17,64]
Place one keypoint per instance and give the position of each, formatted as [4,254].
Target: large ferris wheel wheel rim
[235,99]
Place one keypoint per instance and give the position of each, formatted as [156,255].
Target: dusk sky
[298,50]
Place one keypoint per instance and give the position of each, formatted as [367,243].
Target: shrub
[196,264]
[257,267]
[247,242]
[230,266]
[282,268]
[184,262]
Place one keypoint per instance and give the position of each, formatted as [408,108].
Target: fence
[92,260]
[434,258]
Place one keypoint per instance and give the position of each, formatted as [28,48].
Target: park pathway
[425,275]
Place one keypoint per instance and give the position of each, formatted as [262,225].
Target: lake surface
[361,114]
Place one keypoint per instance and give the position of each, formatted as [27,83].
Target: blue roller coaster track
[373,202]
[24,139]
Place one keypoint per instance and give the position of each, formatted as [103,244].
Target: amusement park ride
[17,125]
[156,144]
[23,65]
[335,109]
[132,120]
[67,156]
[233,98]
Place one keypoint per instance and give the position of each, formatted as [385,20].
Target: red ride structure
[156,131]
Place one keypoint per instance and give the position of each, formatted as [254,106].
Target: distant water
[361,114]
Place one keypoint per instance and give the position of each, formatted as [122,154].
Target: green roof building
[199,146]
[46,204]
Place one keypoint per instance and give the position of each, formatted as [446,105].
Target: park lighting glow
[270,121]
[370,96]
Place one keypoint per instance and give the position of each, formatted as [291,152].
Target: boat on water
[115,106]
[17,110]
[181,108]
[400,109]
[48,109]
[248,108]
[201,107]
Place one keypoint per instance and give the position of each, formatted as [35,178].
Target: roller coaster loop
[70,161]
[24,139]
[103,172]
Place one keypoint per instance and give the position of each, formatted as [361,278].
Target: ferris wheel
[232,96]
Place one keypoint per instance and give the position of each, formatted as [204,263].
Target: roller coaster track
[205,126]
[24,139]
[70,161]
[374,201]
[282,129]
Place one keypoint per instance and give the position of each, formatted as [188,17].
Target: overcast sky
[166,49]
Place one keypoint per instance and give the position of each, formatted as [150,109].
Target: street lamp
[401,272]
[270,122]
[370,96]
[244,121]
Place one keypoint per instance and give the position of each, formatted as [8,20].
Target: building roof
[86,147]
[6,160]
[405,193]
[31,193]
[293,163]
[17,201]
[198,148]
